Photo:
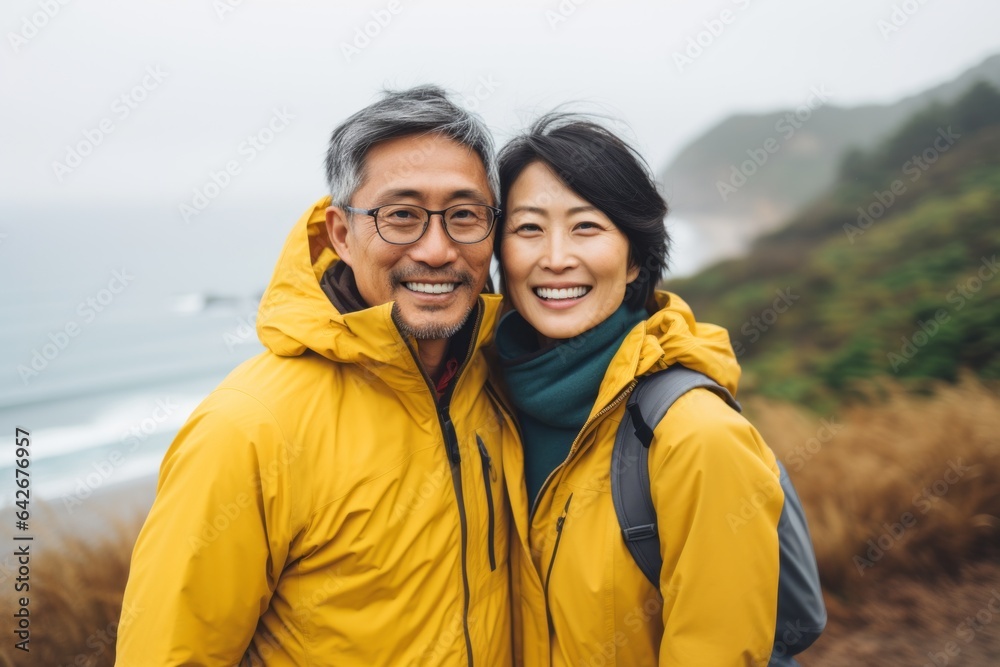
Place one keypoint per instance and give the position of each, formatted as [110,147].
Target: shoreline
[109,513]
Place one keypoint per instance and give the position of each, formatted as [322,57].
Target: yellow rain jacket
[320,507]
[581,599]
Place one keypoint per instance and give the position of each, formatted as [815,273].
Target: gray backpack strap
[630,490]
[801,615]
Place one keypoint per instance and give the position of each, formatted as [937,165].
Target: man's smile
[430,288]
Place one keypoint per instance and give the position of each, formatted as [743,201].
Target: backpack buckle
[637,533]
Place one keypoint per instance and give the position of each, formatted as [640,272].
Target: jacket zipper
[455,458]
[560,522]
[489,476]
[576,441]
[456,479]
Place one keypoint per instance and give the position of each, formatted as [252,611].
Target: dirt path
[916,623]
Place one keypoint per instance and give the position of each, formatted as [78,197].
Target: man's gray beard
[429,332]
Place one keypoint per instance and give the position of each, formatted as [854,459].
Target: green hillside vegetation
[892,273]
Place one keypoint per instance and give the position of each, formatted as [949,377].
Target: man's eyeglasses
[402,224]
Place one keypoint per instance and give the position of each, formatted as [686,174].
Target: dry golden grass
[901,485]
[77,583]
[858,473]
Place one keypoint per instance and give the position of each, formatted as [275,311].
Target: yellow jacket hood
[697,345]
[671,336]
[294,311]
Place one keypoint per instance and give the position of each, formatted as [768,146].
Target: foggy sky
[224,69]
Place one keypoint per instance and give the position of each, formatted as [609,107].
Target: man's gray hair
[420,110]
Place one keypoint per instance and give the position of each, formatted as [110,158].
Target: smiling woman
[581,249]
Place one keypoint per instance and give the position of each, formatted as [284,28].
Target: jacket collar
[670,336]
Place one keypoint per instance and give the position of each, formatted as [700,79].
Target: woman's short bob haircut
[601,168]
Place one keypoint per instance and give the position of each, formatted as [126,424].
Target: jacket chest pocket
[489,479]
[486,505]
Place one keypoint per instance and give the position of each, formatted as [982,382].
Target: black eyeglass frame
[373,212]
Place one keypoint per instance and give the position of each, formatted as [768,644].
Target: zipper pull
[450,439]
[555,548]
[487,460]
[562,517]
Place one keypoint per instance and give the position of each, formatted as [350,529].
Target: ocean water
[112,332]
[113,327]
[103,408]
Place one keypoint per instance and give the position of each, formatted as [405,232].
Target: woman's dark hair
[598,166]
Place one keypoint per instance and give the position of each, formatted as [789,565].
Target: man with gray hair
[339,499]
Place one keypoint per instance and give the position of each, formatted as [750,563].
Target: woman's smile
[566,264]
